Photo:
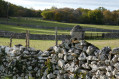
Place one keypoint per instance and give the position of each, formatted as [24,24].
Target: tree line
[17,11]
[79,15]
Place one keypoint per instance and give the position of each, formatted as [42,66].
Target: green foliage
[49,66]
[42,70]
[48,14]
[95,16]
[83,75]
[14,10]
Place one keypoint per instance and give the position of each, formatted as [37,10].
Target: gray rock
[98,73]
[93,58]
[61,63]
[86,66]
[66,76]
[105,50]
[60,55]
[109,68]
[77,51]
[85,48]
[94,77]
[107,62]
[67,67]
[59,76]
[65,57]
[56,49]
[82,56]
[56,72]
[102,68]
[96,52]
[72,76]
[103,77]
[45,54]
[82,71]
[115,59]
[116,66]
[61,71]
[94,66]
[50,76]
[19,77]
[117,75]
[44,74]
[115,51]
[87,77]
[114,72]
[109,74]
[103,57]
[77,32]
[70,57]
[90,50]
[64,51]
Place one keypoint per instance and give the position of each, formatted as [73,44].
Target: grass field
[45,44]
[38,21]
[21,29]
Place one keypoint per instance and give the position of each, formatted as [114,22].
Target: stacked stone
[73,59]
[79,59]
[20,62]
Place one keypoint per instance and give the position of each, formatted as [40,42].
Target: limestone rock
[61,63]
[59,76]
[50,76]
[56,49]
[60,55]
[46,53]
[109,74]
[115,51]
[109,68]
[115,59]
[82,56]
[116,66]
[90,50]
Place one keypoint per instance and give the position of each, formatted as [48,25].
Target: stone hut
[77,33]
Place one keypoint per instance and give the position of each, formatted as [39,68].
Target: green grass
[38,21]
[21,29]
[103,43]
[37,44]
[45,44]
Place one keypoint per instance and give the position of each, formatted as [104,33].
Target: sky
[88,4]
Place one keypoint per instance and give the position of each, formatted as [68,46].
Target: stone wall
[72,59]
[52,37]
[33,36]
[111,35]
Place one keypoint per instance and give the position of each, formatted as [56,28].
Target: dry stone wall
[8,34]
[72,59]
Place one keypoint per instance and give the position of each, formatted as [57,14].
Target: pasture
[40,22]
[45,44]
[21,29]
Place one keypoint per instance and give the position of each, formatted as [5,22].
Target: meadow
[21,29]
[45,44]
[41,22]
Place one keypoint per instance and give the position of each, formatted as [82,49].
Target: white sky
[89,4]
